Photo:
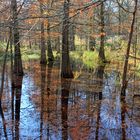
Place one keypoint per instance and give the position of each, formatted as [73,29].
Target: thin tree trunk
[101,50]
[50,52]
[3,70]
[124,81]
[136,42]
[119,28]
[43,59]
[92,42]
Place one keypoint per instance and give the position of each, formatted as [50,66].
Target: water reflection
[16,93]
[43,83]
[99,82]
[49,73]
[3,122]
[45,99]
[88,108]
[123,110]
[65,89]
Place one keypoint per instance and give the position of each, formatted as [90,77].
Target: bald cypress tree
[18,70]
[66,71]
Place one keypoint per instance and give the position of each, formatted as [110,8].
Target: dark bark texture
[101,50]
[18,70]
[124,81]
[43,59]
[66,71]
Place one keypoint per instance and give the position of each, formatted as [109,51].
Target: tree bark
[18,70]
[50,52]
[43,59]
[66,71]
[72,36]
[3,70]
[101,50]
[92,41]
[124,81]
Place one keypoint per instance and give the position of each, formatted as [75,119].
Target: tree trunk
[3,70]
[18,70]
[43,59]
[50,52]
[92,41]
[101,50]
[66,71]
[72,36]
[124,81]
[119,28]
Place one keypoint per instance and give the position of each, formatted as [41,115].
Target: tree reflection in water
[65,89]
[123,111]
[45,94]
[3,122]
[99,82]
[88,107]
[16,94]
[43,83]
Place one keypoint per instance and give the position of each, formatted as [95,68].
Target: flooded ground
[88,107]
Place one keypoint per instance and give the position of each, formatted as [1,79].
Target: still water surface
[88,107]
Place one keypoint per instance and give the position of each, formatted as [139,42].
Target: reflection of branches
[3,121]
